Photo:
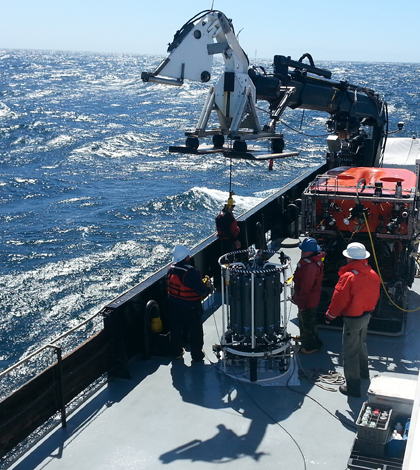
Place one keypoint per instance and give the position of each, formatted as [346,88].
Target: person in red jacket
[355,297]
[227,227]
[307,283]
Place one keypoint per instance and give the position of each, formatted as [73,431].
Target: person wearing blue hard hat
[307,283]
[309,244]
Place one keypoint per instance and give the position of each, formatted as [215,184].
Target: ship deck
[181,415]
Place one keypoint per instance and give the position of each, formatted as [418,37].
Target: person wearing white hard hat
[186,289]
[355,297]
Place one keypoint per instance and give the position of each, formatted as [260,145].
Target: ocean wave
[60,141]
[6,112]
[117,146]
[74,199]
[25,181]
[197,199]
[56,292]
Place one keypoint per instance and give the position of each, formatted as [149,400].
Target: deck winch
[255,345]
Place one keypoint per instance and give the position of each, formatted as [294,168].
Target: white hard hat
[180,252]
[356,251]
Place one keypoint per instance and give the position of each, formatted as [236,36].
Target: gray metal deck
[181,415]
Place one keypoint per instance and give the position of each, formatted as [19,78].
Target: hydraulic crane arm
[316,91]
[193,47]
[292,84]
[233,97]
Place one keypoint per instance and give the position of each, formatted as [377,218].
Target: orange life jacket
[176,288]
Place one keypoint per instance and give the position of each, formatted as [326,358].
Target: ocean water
[92,202]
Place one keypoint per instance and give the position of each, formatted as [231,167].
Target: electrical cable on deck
[379,272]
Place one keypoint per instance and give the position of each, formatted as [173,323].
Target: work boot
[312,346]
[308,350]
[352,393]
[299,338]
[200,357]
[180,356]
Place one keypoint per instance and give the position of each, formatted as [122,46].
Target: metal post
[223,305]
[252,312]
[223,338]
[60,385]
[284,299]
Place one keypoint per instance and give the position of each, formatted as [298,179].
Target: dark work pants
[227,246]
[308,328]
[355,353]
[186,320]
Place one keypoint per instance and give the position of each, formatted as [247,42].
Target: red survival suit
[308,281]
[226,225]
[356,292]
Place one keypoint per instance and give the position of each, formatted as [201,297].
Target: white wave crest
[218,198]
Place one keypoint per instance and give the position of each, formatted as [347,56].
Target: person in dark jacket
[355,297]
[186,289]
[307,284]
[227,227]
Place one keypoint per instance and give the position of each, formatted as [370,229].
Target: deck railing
[32,404]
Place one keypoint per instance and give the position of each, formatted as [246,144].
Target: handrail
[49,345]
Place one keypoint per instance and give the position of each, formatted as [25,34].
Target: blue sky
[368,30]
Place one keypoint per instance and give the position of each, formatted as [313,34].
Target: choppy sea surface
[92,202]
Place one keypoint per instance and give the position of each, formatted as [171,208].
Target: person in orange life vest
[355,297]
[186,289]
[227,227]
[307,293]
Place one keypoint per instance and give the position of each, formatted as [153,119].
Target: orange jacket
[181,274]
[356,292]
[307,280]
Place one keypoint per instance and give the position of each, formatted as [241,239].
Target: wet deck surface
[179,415]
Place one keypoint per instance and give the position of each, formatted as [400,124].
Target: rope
[230,176]
[417,259]
[319,377]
